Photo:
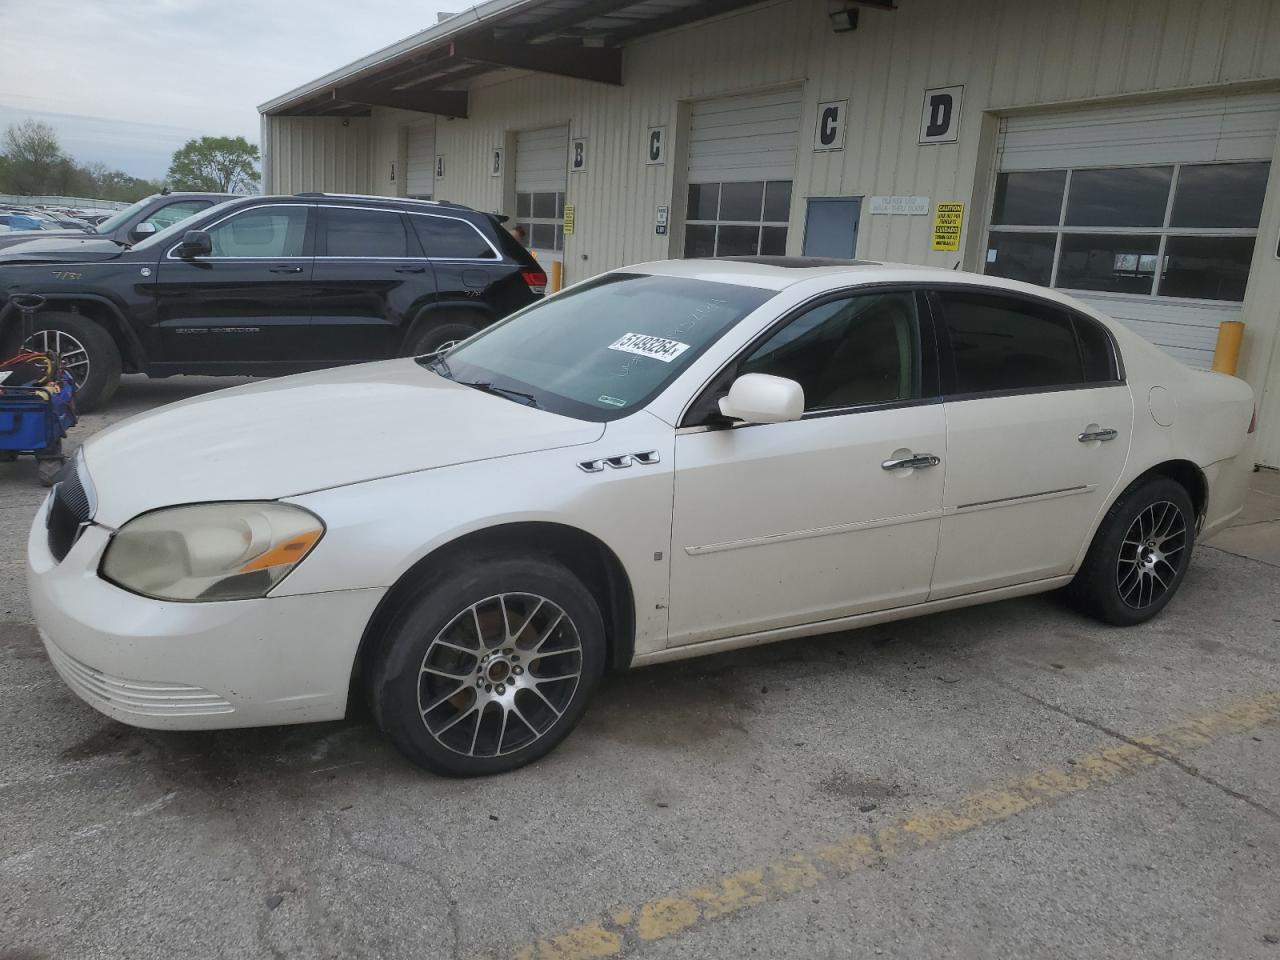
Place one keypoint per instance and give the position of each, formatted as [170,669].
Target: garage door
[1148,212]
[542,174]
[420,160]
[742,160]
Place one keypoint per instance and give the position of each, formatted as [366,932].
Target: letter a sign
[940,122]
[829,132]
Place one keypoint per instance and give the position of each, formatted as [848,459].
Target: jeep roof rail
[383,199]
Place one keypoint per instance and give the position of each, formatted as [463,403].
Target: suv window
[167,216]
[448,238]
[1005,343]
[278,231]
[364,233]
[848,352]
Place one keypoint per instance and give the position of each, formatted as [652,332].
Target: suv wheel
[440,337]
[91,356]
[489,667]
[1139,555]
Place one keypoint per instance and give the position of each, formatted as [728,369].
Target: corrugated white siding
[744,138]
[420,157]
[542,160]
[317,153]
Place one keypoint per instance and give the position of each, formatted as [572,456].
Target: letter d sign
[940,121]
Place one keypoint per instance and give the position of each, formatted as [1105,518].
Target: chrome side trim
[1023,498]
[697,551]
[620,461]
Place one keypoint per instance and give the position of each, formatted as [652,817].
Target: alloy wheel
[1151,554]
[71,351]
[499,675]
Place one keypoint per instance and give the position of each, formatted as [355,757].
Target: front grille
[68,513]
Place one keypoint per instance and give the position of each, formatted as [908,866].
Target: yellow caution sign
[568,220]
[947,221]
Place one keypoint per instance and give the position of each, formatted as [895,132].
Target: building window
[1172,230]
[542,216]
[737,219]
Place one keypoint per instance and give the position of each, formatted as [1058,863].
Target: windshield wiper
[527,399]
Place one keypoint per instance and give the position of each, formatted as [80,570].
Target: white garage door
[1148,212]
[420,160]
[542,174]
[742,160]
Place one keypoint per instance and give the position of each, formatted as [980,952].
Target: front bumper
[192,666]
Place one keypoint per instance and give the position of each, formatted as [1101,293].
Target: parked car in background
[144,218]
[664,461]
[271,285]
[18,222]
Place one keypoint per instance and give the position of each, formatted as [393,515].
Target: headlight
[210,551]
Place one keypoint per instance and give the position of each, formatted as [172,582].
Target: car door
[469,268]
[248,300]
[831,515]
[371,279]
[1038,427]
[164,217]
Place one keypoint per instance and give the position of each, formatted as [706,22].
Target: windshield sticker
[612,401]
[655,348]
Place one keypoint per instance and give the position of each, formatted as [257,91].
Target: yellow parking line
[626,930]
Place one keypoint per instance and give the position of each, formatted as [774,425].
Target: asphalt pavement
[1005,781]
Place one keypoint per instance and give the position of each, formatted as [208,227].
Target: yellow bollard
[1226,355]
[557,276]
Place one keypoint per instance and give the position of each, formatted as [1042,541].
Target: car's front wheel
[1140,554]
[488,667]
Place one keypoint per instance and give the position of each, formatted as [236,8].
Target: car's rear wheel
[1139,555]
[441,337]
[488,668]
[87,350]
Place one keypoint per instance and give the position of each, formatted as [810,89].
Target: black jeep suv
[271,285]
[132,224]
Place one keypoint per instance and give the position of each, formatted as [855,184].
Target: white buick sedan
[668,460]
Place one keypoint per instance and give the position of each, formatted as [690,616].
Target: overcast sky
[127,82]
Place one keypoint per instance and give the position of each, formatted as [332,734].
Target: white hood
[297,434]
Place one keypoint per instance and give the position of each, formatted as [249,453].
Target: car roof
[779,273]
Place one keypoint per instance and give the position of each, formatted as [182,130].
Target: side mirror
[144,229]
[195,243]
[762,398]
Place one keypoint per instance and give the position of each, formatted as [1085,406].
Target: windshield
[112,222]
[604,348]
[175,231]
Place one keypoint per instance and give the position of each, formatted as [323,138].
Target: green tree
[226,164]
[34,161]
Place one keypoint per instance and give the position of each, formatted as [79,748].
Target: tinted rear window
[1002,343]
[448,238]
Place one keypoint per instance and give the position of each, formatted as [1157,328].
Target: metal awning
[429,71]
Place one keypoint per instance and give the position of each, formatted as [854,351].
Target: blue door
[831,227]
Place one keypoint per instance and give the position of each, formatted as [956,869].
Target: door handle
[411,269]
[285,268]
[917,461]
[1105,434]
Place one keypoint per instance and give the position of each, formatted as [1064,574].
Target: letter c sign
[655,145]
[828,134]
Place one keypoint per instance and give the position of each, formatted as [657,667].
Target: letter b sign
[828,133]
[940,121]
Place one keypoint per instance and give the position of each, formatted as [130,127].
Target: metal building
[1124,150]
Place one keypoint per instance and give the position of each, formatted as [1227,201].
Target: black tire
[424,695]
[1137,559]
[96,382]
[433,338]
